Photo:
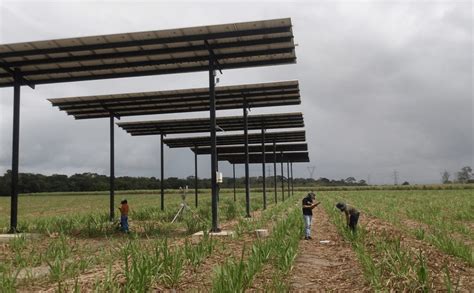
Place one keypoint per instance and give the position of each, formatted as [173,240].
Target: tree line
[32,183]
[465,175]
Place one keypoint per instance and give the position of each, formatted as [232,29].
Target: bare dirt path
[326,267]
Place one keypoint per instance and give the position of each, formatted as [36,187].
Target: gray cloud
[385,86]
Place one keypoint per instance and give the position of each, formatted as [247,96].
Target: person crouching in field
[308,206]
[124,215]
[352,215]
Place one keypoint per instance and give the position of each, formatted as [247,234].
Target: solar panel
[230,123]
[294,157]
[234,45]
[236,139]
[240,149]
[183,100]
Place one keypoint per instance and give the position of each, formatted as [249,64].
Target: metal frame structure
[206,48]
[233,142]
[291,157]
[267,149]
[229,123]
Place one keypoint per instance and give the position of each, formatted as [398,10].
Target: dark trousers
[353,219]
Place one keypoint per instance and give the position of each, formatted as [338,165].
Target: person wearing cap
[308,205]
[352,215]
[124,215]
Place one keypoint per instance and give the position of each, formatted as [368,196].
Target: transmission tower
[395,177]
[311,170]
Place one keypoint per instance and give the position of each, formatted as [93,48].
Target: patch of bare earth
[462,275]
[329,266]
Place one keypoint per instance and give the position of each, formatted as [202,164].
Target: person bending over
[352,215]
[308,205]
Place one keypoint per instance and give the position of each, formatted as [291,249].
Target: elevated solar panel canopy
[269,94]
[235,45]
[236,139]
[230,123]
[238,149]
[294,157]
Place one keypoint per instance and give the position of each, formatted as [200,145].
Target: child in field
[124,215]
[352,215]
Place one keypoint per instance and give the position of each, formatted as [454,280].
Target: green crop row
[280,249]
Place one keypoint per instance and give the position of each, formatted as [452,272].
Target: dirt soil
[326,267]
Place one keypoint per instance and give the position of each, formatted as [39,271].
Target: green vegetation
[78,240]
[443,218]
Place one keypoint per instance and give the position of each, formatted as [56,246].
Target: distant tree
[465,174]
[362,182]
[445,177]
[350,180]
[406,183]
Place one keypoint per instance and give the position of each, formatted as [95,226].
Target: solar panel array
[229,123]
[237,139]
[239,149]
[236,45]
[294,157]
[178,101]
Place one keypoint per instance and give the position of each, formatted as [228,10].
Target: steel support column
[292,182]
[282,178]
[195,176]
[288,176]
[212,114]
[112,169]
[263,169]
[246,143]
[162,172]
[275,171]
[233,173]
[15,152]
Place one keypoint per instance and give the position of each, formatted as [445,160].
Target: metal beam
[162,173]
[15,74]
[233,173]
[292,182]
[288,176]
[195,179]
[263,169]
[282,179]
[275,171]
[246,146]
[112,169]
[212,116]
[15,152]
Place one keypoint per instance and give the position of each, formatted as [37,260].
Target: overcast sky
[385,85]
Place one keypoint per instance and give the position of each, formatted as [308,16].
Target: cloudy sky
[386,85]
